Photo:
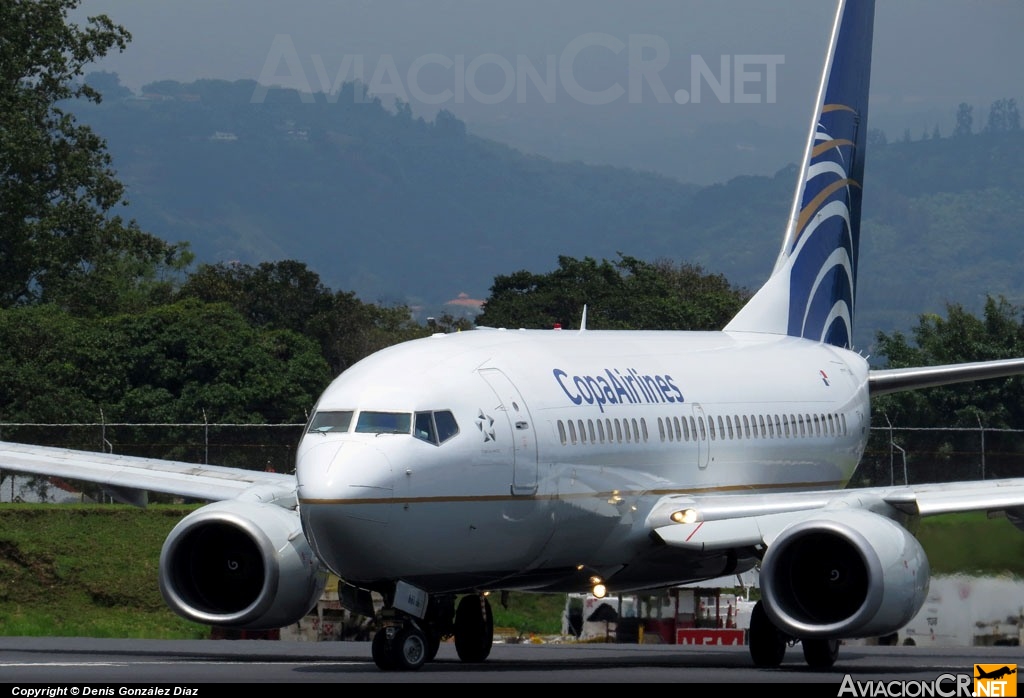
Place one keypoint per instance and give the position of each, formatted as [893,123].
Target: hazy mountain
[403,210]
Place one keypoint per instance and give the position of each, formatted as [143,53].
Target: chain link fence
[894,455]
[250,446]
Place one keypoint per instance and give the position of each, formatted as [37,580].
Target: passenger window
[334,421]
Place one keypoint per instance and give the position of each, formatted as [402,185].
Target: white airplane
[443,469]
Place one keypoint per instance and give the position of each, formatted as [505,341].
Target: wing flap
[208,482]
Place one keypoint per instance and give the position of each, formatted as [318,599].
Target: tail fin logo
[823,247]
[812,289]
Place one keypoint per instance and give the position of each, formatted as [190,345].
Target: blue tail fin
[812,289]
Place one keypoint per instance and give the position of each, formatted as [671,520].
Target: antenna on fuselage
[583,320]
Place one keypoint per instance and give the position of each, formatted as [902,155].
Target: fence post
[206,439]
[892,477]
[981,429]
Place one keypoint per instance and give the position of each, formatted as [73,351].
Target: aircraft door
[701,436]
[520,428]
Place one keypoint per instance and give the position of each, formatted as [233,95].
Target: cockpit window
[447,427]
[425,427]
[330,421]
[435,427]
[384,423]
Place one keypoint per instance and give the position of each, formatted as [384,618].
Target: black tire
[474,629]
[767,644]
[819,653]
[409,649]
[433,644]
[380,648]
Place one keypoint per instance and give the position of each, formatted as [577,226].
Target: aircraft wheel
[820,654]
[409,648]
[433,644]
[380,648]
[474,628]
[767,644]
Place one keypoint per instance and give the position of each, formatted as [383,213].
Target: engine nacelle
[848,574]
[242,565]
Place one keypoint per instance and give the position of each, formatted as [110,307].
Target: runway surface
[72,663]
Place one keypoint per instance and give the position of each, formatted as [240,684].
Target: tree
[995,404]
[108,85]
[964,120]
[626,294]
[57,186]
[1003,116]
[287,295]
[171,364]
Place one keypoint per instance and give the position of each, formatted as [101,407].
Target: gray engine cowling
[242,565]
[848,574]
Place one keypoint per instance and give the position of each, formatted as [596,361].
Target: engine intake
[850,573]
[241,565]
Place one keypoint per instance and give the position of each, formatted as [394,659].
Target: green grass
[972,544]
[91,571]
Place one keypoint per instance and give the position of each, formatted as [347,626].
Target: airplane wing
[708,522]
[206,482]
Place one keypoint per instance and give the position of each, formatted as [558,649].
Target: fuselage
[528,459]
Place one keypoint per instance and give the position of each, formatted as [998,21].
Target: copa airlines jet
[439,470]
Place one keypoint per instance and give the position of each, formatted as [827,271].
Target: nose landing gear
[404,643]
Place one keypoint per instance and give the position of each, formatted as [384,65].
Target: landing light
[599,591]
[686,516]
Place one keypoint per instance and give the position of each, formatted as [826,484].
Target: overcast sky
[485,59]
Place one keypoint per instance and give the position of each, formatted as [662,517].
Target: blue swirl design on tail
[824,244]
[813,287]
[823,277]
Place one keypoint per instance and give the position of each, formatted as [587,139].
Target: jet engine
[242,565]
[845,574]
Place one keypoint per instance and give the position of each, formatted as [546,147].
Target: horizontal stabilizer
[892,380]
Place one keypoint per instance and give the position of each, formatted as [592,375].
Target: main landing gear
[404,643]
[768,644]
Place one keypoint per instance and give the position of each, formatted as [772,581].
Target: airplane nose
[344,472]
[346,491]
